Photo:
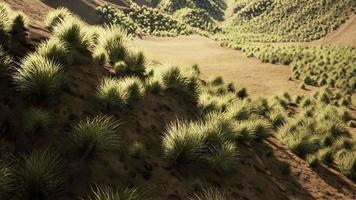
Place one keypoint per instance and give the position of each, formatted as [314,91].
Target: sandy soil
[213,60]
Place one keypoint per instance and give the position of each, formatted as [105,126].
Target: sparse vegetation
[209,194]
[38,76]
[108,193]
[37,120]
[5,60]
[120,92]
[56,17]
[314,65]
[96,135]
[56,50]
[38,175]
[72,32]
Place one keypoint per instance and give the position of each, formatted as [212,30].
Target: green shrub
[111,47]
[312,160]
[19,22]
[72,32]
[120,92]
[56,50]
[325,155]
[125,193]
[277,118]
[38,175]
[223,158]
[184,80]
[133,63]
[36,120]
[7,171]
[56,17]
[96,135]
[209,194]
[261,128]
[182,142]
[38,76]
[137,150]
[346,161]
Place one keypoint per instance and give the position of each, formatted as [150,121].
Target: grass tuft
[38,76]
[5,60]
[120,92]
[119,193]
[209,194]
[56,17]
[38,175]
[56,50]
[96,135]
[72,32]
[37,120]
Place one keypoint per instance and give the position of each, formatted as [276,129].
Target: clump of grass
[72,32]
[312,160]
[119,92]
[183,80]
[112,47]
[352,123]
[346,161]
[223,157]
[137,150]
[277,118]
[96,135]
[182,142]
[56,17]
[211,141]
[56,50]
[7,171]
[325,155]
[38,76]
[5,60]
[38,175]
[119,193]
[19,22]
[36,120]
[133,63]
[209,194]
[261,128]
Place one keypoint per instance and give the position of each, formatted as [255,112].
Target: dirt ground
[214,60]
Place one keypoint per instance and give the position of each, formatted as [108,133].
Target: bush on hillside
[38,76]
[120,92]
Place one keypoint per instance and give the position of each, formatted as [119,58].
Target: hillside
[287,21]
[91,111]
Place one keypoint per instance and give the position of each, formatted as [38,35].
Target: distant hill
[287,20]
